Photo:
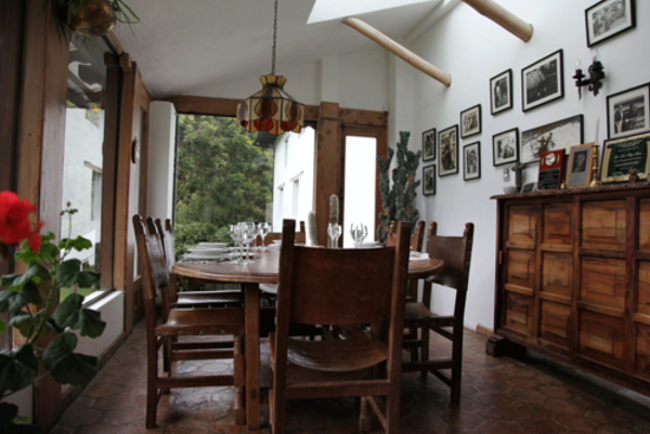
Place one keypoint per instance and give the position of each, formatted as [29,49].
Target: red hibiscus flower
[14,221]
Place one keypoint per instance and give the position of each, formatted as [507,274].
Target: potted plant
[30,300]
[92,18]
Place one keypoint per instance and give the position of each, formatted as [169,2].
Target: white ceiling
[185,45]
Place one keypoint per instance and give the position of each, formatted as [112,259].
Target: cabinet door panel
[558,223]
[557,273]
[519,313]
[643,288]
[601,338]
[556,323]
[642,360]
[521,224]
[644,225]
[603,281]
[520,268]
[603,224]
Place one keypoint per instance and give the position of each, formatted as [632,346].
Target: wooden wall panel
[644,225]
[329,167]
[603,281]
[520,268]
[642,356]
[558,224]
[522,224]
[603,225]
[601,338]
[555,324]
[643,288]
[519,313]
[557,273]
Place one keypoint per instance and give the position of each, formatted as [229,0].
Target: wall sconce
[596,74]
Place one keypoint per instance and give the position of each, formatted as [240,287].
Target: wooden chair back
[154,265]
[417,239]
[456,252]
[168,242]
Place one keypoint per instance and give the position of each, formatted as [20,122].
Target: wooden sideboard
[573,278]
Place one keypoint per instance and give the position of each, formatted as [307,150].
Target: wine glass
[236,235]
[334,232]
[265,229]
[359,232]
[254,228]
[248,231]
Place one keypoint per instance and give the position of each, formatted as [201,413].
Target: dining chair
[340,287]
[457,253]
[301,237]
[185,322]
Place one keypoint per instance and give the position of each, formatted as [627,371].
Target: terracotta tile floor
[501,396]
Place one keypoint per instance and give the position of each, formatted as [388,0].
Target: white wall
[474,49]
[162,148]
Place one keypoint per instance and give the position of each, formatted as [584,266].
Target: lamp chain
[275,35]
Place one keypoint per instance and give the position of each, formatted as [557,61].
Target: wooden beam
[399,50]
[503,17]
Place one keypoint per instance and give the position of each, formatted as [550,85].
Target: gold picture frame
[621,155]
[579,170]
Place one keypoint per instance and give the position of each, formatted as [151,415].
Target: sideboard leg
[498,346]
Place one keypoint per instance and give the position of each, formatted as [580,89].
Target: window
[360,181]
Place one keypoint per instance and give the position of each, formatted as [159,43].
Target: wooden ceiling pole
[398,50]
[503,17]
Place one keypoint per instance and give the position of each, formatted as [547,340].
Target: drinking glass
[359,232]
[334,232]
[235,234]
[265,229]
[247,230]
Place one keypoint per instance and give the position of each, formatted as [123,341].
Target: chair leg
[239,380]
[424,351]
[278,415]
[365,419]
[413,334]
[392,410]
[152,389]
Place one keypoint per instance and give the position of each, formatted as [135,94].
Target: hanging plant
[92,18]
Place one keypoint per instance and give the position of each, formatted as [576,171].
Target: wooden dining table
[264,269]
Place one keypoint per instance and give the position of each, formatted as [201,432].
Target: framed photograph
[542,82]
[472,161]
[429,180]
[561,134]
[501,92]
[622,155]
[627,112]
[470,121]
[607,19]
[579,170]
[505,147]
[448,143]
[429,145]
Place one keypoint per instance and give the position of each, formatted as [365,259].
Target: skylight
[328,10]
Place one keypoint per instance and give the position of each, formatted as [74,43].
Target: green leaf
[34,270]
[67,271]
[87,279]
[27,256]
[3,326]
[23,322]
[18,369]
[71,314]
[49,250]
[65,366]
[14,301]
[7,281]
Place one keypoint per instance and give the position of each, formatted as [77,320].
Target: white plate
[212,245]
[418,256]
[203,257]
[208,250]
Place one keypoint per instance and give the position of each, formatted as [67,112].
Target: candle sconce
[596,74]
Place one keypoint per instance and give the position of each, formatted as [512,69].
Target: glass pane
[83,154]
[293,179]
[360,180]
[134,186]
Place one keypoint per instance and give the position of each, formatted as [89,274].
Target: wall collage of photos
[628,122]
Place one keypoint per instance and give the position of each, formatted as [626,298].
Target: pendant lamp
[271,110]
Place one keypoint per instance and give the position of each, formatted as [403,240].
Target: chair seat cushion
[359,352]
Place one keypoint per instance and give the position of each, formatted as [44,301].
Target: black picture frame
[470,121]
[448,151]
[562,134]
[429,180]
[472,161]
[505,147]
[429,145]
[628,112]
[609,18]
[501,92]
[542,81]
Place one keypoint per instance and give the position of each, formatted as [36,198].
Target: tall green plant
[398,200]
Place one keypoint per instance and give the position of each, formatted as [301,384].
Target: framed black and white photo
[562,134]
[470,121]
[429,145]
[505,147]
[627,112]
[429,180]
[580,167]
[542,82]
[607,19]
[501,92]
[448,149]
[472,161]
